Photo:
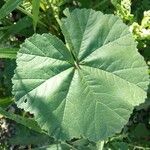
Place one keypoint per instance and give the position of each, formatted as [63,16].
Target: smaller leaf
[4,102]
[30,123]
[16,28]
[25,136]
[35,11]
[119,145]
[8,7]
[8,53]
[140,132]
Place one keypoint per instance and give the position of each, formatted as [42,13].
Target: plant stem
[76,65]
[100,145]
[72,147]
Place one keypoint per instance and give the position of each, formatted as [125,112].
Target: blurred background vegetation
[19,20]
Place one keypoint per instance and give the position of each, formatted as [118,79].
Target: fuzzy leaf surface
[87,88]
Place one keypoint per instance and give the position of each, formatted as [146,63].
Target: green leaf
[8,72]
[5,102]
[119,146]
[100,145]
[16,28]
[25,136]
[30,123]
[8,52]
[8,7]
[140,132]
[85,4]
[54,147]
[35,12]
[92,96]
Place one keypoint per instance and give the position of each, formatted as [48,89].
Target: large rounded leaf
[87,88]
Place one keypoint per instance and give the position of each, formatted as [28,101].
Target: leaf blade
[8,7]
[35,12]
[8,52]
[5,102]
[16,28]
[99,94]
[30,123]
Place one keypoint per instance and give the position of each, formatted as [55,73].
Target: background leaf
[5,102]
[8,7]
[16,28]
[35,12]
[8,52]
[25,136]
[30,123]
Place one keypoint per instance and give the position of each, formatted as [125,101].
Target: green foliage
[8,52]
[25,136]
[30,123]
[54,147]
[142,32]
[91,80]
[7,71]
[138,8]
[4,102]
[8,7]
[123,9]
[104,44]
[16,28]
[35,11]
[136,14]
